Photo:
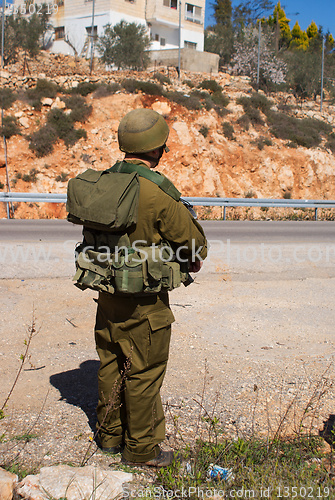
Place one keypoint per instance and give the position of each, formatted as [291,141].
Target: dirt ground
[248,341]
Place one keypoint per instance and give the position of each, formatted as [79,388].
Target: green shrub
[7,97]
[9,127]
[260,101]
[85,88]
[149,88]
[244,122]
[189,101]
[228,131]
[74,137]
[189,83]
[261,142]
[287,194]
[211,85]
[330,144]
[161,78]
[1,186]
[105,90]
[63,177]
[204,130]
[220,99]
[60,122]
[80,110]
[42,141]
[303,132]
[43,88]
[250,194]
[31,177]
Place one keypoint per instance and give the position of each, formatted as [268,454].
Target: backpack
[106,205]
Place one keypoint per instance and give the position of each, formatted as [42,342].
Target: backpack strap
[162,182]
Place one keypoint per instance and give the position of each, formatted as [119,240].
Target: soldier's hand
[195,267]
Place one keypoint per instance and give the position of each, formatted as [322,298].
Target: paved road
[237,231]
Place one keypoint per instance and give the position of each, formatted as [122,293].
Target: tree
[125,45]
[300,39]
[244,62]
[219,38]
[279,20]
[250,11]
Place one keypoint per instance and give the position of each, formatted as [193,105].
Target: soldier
[132,332]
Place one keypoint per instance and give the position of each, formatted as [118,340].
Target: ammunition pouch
[128,271]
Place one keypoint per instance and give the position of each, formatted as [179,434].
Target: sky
[322,12]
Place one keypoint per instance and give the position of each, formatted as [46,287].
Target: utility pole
[3,33]
[92,37]
[179,49]
[322,71]
[259,51]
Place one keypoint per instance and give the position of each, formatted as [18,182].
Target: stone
[7,484]
[183,132]
[18,114]
[46,101]
[24,122]
[74,483]
[58,104]
[4,74]
[162,108]
[74,84]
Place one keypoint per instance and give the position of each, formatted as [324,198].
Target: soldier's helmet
[141,131]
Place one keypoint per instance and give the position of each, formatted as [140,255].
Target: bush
[249,194]
[31,177]
[161,78]
[85,88]
[330,144]
[244,122]
[63,177]
[80,110]
[9,127]
[211,85]
[204,130]
[190,102]
[42,141]
[260,101]
[303,132]
[60,122]
[261,142]
[228,131]
[251,110]
[287,195]
[43,88]
[105,90]
[7,97]
[74,136]
[220,99]
[189,83]
[149,88]
[1,185]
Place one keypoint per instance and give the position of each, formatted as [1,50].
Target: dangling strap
[162,182]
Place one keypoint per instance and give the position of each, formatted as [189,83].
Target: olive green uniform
[133,335]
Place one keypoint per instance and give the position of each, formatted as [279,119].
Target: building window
[130,1]
[163,41]
[59,33]
[190,45]
[193,13]
[60,3]
[170,3]
[156,38]
[95,31]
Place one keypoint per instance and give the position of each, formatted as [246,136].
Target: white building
[72,20]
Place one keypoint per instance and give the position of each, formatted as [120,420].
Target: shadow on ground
[79,387]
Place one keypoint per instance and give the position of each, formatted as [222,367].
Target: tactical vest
[106,204]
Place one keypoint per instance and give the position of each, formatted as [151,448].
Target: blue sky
[322,12]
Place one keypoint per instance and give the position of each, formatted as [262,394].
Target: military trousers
[132,340]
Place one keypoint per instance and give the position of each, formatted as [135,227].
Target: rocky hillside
[211,153]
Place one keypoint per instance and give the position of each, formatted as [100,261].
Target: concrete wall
[191,60]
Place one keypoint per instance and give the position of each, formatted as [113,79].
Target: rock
[94,130]
[46,101]
[58,104]
[162,108]
[74,483]
[18,114]
[7,483]
[183,133]
[74,84]
[4,74]
[24,122]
